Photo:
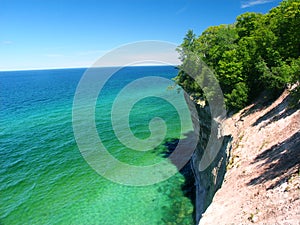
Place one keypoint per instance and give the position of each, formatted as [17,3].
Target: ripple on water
[18,194]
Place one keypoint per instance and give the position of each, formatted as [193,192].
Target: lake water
[43,177]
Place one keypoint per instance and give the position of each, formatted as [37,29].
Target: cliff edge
[262,183]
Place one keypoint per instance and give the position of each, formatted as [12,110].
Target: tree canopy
[256,53]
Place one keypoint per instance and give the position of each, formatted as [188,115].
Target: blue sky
[75,33]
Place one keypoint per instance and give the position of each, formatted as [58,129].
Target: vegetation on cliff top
[256,53]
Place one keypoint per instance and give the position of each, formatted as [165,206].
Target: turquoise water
[43,177]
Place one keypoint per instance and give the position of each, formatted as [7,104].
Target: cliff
[262,184]
[209,180]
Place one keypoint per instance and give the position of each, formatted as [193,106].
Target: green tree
[247,23]
[258,52]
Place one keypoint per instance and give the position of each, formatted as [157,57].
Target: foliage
[258,52]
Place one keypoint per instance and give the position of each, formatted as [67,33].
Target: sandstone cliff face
[262,185]
[209,180]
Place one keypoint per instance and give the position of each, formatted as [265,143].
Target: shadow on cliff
[281,111]
[279,159]
[188,188]
[262,102]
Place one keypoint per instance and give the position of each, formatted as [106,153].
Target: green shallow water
[43,177]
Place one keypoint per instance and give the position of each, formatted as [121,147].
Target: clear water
[43,176]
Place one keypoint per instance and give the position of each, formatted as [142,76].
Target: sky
[37,34]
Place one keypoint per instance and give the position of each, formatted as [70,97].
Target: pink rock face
[263,182]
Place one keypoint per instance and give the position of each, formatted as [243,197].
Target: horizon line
[81,67]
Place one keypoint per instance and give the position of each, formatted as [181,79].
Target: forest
[258,53]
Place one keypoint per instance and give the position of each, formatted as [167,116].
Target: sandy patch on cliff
[262,184]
